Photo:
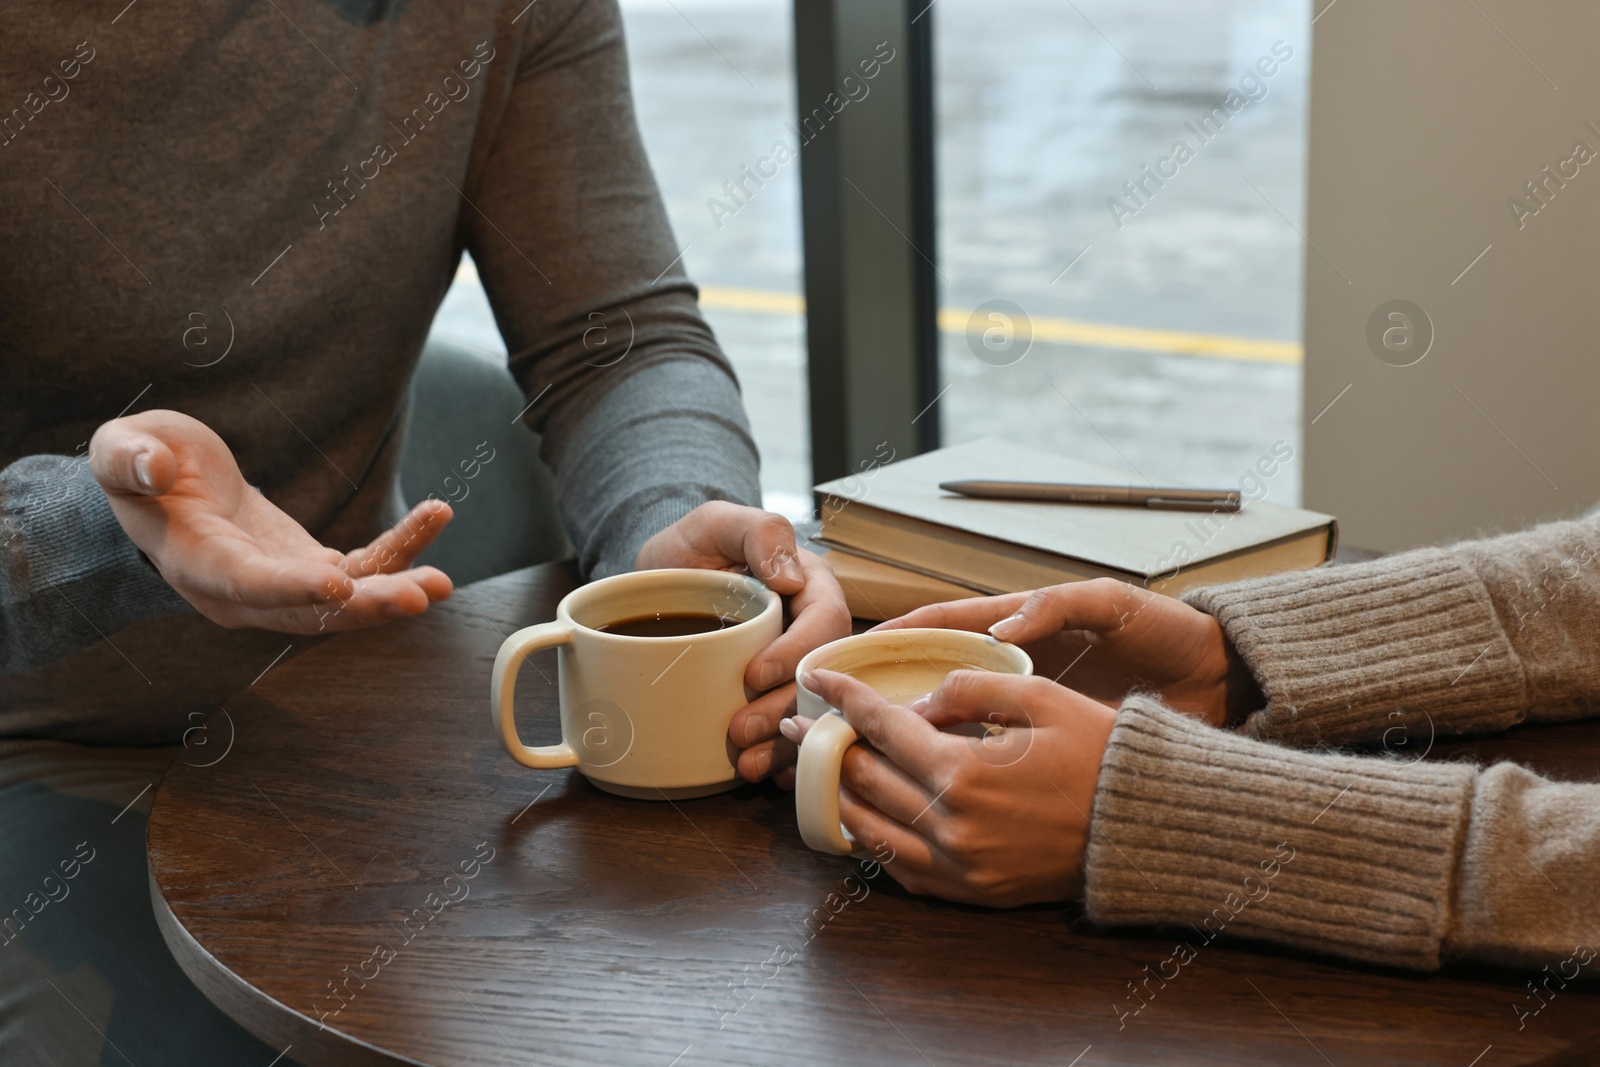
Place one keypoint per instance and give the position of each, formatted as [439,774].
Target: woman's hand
[174,486]
[724,536]
[999,819]
[1106,638]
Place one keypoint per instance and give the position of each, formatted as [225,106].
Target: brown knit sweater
[1264,832]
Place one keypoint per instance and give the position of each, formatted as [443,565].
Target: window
[1103,292]
[714,90]
[1161,288]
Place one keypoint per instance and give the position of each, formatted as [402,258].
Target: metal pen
[1164,498]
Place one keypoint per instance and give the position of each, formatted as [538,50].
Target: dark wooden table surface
[317,855]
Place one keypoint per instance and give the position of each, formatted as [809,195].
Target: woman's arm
[1467,639]
[1159,819]
[1373,859]
[1471,638]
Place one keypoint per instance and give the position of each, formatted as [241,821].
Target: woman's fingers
[998,701]
[819,616]
[914,863]
[795,728]
[1101,605]
[886,787]
[976,614]
[787,755]
[904,736]
[398,547]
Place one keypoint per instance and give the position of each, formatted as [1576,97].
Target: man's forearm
[632,458]
[639,411]
[70,575]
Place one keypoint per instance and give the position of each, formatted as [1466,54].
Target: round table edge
[271,1020]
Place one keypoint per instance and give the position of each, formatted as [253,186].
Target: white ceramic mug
[644,717]
[900,664]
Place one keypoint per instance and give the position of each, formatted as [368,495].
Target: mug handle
[816,785]
[503,687]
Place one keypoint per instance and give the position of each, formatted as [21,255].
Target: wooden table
[329,847]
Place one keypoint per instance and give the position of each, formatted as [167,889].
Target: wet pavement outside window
[1121,188]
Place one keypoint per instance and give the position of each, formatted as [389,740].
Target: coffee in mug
[666,624]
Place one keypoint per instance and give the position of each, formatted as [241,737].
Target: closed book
[878,591]
[897,515]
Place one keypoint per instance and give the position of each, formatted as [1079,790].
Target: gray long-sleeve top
[305,190]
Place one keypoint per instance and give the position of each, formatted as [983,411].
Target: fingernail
[807,681]
[920,702]
[1008,625]
[141,472]
[789,728]
[751,731]
[789,568]
[769,675]
[395,611]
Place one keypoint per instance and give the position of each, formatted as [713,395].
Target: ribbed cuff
[76,578]
[1214,833]
[1545,587]
[644,519]
[1527,894]
[1408,646]
[665,438]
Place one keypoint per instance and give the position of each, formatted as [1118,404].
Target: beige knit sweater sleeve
[1263,833]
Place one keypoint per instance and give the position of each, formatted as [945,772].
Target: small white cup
[644,717]
[816,780]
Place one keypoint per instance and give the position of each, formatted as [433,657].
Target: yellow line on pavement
[1045,328]
[764,301]
[1138,338]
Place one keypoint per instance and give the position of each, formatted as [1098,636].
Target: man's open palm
[240,561]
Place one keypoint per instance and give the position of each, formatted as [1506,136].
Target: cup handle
[816,785]
[503,687]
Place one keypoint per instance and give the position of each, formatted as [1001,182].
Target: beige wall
[1424,122]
